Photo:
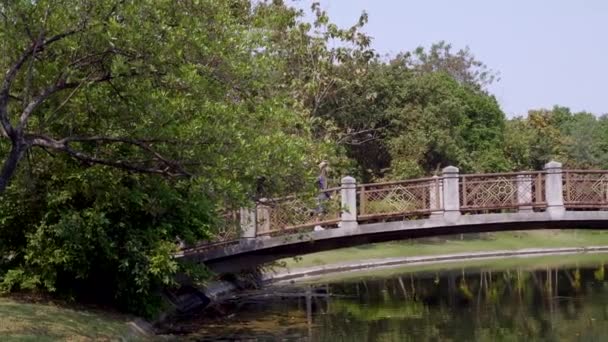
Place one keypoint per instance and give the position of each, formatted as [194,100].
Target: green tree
[575,139]
[441,122]
[460,65]
[399,121]
[584,144]
[184,80]
[128,124]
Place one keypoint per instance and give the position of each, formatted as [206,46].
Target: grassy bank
[453,244]
[493,264]
[25,321]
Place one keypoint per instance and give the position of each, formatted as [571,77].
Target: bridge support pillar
[248,223]
[524,193]
[554,193]
[349,203]
[451,193]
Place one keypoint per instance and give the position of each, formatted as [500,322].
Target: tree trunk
[10,164]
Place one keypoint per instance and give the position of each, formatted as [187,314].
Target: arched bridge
[447,204]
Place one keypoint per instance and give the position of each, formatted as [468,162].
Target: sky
[548,52]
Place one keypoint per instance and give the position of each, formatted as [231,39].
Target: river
[557,298]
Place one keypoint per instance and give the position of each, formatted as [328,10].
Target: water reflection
[463,304]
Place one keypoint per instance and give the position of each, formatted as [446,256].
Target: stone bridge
[451,203]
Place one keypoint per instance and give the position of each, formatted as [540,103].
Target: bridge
[450,203]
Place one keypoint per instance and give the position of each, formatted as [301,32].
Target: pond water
[560,298]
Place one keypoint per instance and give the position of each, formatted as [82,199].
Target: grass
[26,321]
[483,242]
[494,264]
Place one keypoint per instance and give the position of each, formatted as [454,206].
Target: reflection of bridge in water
[529,300]
[447,204]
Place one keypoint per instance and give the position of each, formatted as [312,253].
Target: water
[562,298]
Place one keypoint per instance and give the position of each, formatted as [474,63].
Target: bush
[98,235]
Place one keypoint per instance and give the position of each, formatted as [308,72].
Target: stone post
[524,193]
[349,203]
[435,197]
[451,193]
[554,193]
[262,219]
[248,223]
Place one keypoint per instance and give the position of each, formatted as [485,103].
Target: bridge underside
[254,252]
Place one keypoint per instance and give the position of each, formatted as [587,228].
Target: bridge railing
[515,191]
[279,215]
[403,198]
[585,189]
[448,196]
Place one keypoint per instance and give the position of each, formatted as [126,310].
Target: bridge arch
[440,205]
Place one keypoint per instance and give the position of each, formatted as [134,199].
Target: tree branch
[11,74]
[33,49]
[165,166]
[371,134]
[58,86]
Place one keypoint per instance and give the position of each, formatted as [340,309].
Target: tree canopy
[128,124]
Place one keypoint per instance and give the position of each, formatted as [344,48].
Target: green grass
[21,321]
[494,264]
[482,242]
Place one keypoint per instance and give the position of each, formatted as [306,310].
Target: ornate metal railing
[230,227]
[501,191]
[403,198]
[585,189]
[298,212]
[228,233]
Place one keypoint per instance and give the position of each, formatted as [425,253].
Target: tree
[461,66]
[439,122]
[146,87]
[583,147]
[127,124]
[399,121]
[575,139]
[319,61]
[56,56]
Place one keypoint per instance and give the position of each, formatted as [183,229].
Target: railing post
[262,219]
[435,197]
[554,193]
[451,193]
[524,193]
[349,203]
[248,223]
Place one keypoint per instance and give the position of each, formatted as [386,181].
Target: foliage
[578,140]
[401,121]
[462,66]
[189,97]
[190,91]
[98,234]
[129,125]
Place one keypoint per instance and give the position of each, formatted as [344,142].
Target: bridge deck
[450,203]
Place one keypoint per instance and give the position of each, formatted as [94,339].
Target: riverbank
[421,263]
[21,320]
[343,305]
[449,248]
[25,320]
